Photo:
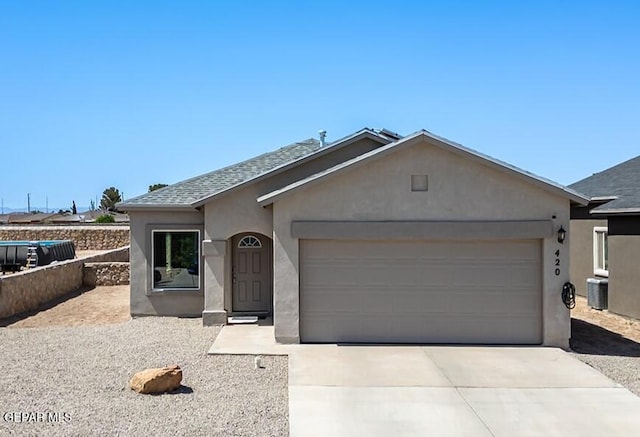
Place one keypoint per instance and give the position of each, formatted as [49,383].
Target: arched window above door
[249,242]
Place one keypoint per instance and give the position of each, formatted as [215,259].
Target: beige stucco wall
[238,212]
[582,252]
[144,301]
[93,237]
[459,189]
[27,290]
[624,275]
[224,218]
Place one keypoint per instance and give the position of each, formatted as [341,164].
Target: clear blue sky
[127,94]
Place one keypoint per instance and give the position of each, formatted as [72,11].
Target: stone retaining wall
[27,290]
[84,237]
[106,273]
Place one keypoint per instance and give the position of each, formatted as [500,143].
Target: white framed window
[600,251]
[175,259]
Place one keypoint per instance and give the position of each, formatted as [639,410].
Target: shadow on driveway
[590,339]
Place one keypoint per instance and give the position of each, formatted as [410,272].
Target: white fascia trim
[441,142]
[365,133]
[603,198]
[616,211]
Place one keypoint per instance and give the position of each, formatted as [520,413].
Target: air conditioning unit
[598,293]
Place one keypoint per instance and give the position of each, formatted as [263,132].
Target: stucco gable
[459,189]
[434,140]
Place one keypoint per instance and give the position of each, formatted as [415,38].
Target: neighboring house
[23,218]
[372,238]
[89,217]
[606,235]
[32,218]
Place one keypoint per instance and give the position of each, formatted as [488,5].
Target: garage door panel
[429,328]
[407,304]
[420,292]
[492,303]
[450,329]
[345,328]
[406,299]
[329,301]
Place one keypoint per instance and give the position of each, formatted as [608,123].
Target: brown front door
[252,283]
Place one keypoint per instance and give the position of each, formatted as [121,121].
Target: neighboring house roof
[90,216]
[621,183]
[196,191]
[438,141]
[66,218]
[31,218]
[118,217]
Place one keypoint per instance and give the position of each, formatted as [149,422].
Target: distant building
[23,218]
[89,217]
[26,218]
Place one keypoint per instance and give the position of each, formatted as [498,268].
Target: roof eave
[150,207]
[602,198]
[409,140]
[615,211]
[276,195]
[364,133]
[543,183]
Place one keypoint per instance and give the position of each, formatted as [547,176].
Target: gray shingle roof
[185,193]
[621,181]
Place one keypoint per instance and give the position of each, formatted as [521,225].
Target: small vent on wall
[419,182]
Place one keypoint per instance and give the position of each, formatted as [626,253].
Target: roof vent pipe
[323,134]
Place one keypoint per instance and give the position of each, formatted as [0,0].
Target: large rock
[161,380]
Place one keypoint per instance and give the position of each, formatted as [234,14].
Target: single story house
[606,235]
[371,238]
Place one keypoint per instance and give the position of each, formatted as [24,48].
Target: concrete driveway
[442,391]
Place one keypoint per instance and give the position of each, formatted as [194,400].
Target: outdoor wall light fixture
[562,234]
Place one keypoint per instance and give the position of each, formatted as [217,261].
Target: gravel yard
[82,372]
[74,361]
[607,342]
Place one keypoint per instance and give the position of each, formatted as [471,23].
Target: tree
[155,187]
[93,205]
[110,197]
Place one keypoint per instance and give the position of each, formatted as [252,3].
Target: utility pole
[3,206]
[29,203]
[47,208]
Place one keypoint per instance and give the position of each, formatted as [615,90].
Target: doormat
[237,320]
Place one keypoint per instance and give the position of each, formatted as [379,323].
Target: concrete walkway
[441,391]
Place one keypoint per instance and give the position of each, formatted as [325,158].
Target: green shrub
[105,218]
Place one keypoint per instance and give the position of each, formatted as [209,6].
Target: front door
[251,274]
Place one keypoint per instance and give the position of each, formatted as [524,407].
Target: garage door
[421,291]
